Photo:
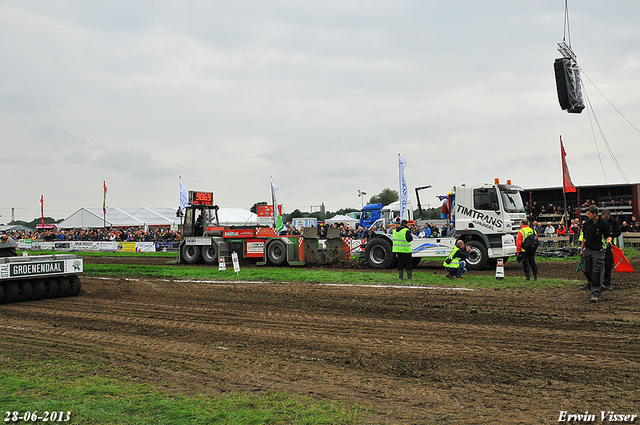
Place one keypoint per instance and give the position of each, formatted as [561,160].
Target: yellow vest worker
[402,238]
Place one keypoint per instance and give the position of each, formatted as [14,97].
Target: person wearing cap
[455,262]
[402,249]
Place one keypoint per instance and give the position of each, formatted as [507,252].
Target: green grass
[326,276]
[50,385]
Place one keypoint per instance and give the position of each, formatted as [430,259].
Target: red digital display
[201,198]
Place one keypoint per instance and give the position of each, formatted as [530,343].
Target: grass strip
[326,276]
[57,385]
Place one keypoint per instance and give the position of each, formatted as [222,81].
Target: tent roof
[150,216]
[342,219]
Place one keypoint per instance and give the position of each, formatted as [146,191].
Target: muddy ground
[410,355]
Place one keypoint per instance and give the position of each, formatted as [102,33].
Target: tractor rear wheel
[192,254]
[210,254]
[277,253]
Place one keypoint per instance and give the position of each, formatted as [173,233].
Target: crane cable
[567,31]
[566,38]
[593,118]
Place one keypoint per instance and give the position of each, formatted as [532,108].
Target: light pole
[361,196]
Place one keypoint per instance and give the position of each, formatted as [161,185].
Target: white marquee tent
[343,219]
[148,216]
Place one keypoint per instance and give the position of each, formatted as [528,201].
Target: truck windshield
[512,201]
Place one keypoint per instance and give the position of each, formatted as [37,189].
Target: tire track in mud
[398,350]
[302,329]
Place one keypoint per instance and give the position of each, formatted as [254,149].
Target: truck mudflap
[36,277]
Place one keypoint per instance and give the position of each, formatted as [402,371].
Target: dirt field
[411,355]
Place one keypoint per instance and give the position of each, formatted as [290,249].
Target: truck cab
[386,214]
[486,217]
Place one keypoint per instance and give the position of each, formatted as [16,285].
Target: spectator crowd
[118,234]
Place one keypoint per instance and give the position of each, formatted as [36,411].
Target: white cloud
[321,96]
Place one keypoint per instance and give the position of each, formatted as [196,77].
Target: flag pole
[273,202]
[564,192]
[400,184]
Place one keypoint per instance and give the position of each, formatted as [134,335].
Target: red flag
[620,262]
[104,200]
[567,185]
[42,209]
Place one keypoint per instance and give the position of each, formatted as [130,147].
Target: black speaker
[568,85]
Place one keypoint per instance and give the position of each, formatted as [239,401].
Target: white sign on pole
[236,263]
[222,265]
[500,269]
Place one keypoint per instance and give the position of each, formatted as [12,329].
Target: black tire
[74,286]
[277,253]
[11,292]
[38,289]
[478,257]
[378,253]
[50,288]
[210,254]
[63,286]
[416,261]
[1,293]
[25,292]
[8,252]
[191,254]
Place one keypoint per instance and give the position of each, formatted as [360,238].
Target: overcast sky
[321,95]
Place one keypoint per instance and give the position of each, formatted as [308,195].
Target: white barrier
[113,246]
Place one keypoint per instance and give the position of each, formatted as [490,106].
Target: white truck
[486,217]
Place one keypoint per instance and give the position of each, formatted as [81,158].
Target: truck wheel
[1,293]
[277,253]
[210,254]
[11,292]
[74,285]
[478,257]
[25,293]
[192,254]
[38,289]
[378,253]
[416,261]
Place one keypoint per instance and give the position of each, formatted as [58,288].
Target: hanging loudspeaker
[568,85]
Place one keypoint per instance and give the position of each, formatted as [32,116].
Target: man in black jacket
[596,236]
[608,256]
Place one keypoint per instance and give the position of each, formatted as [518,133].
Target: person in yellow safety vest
[456,260]
[402,238]
[528,258]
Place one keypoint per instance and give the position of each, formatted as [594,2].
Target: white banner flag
[277,218]
[183,196]
[404,192]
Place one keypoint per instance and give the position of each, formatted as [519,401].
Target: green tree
[386,197]
[254,208]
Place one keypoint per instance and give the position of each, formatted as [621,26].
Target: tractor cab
[199,213]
